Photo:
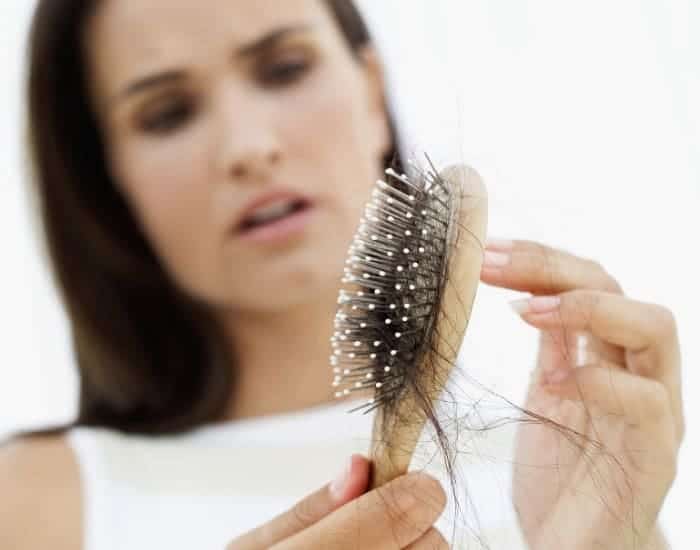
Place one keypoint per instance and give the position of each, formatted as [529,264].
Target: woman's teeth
[272,212]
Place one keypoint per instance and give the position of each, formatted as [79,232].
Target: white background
[582,117]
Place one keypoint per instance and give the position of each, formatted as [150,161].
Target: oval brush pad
[408,287]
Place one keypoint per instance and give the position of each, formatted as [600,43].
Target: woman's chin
[290,291]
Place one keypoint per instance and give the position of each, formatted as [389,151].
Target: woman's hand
[608,371]
[398,515]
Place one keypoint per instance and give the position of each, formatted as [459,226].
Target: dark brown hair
[151,359]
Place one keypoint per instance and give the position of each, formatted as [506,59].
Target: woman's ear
[377,100]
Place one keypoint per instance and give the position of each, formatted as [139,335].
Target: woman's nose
[249,146]
[255,163]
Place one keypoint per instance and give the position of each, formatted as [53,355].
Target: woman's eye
[285,73]
[166,119]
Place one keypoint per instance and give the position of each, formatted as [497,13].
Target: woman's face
[244,136]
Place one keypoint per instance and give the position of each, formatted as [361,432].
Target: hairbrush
[408,287]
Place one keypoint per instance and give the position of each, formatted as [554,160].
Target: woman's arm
[41,502]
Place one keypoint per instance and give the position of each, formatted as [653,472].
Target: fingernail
[499,244]
[495,259]
[536,304]
[337,486]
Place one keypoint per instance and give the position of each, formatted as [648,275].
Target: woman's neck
[282,358]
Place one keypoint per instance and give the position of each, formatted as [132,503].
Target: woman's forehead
[128,37]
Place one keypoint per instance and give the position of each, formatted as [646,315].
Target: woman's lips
[280,230]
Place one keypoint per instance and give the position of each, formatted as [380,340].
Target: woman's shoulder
[41,494]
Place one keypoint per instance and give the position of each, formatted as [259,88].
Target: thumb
[349,484]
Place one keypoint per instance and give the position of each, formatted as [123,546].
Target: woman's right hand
[398,515]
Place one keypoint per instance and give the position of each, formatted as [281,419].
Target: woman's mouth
[275,220]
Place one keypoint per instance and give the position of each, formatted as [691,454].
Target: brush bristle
[392,286]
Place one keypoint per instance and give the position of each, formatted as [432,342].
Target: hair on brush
[400,320]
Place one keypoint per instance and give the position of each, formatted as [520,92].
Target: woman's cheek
[167,190]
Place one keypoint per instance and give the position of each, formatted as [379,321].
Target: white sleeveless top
[203,489]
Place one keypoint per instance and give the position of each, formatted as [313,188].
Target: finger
[390,517]
[646,331]
[533,267]
[351,483]
[641,402]
[636,326]
[569,347]
[432,540]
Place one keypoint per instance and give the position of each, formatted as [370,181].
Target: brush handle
[395,438]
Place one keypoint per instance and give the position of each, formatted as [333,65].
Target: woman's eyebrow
[264,43]
[270,39]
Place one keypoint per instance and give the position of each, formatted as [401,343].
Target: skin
[242,136]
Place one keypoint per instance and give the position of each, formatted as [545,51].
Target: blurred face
[245,137]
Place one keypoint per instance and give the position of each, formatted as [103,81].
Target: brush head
[410,280]
[392,290]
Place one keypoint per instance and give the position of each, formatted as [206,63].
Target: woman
[201,168]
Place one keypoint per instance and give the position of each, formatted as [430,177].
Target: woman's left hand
[608,372]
